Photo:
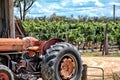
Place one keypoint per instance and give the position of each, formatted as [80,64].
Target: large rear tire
[5,73]
[62,61]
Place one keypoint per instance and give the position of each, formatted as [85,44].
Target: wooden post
[0,16]
[6,19]
[11,19]
[84,72]
[105,47]
[114,13]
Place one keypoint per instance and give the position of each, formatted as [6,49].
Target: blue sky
[76,7]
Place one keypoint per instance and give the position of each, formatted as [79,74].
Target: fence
[85,73]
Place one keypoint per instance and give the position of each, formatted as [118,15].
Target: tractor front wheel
[5,73]
[61,62]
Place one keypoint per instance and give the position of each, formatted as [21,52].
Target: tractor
[29,58]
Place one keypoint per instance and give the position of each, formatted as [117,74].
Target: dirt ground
[108,64]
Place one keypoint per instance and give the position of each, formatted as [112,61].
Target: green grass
[90,54]
[115,55]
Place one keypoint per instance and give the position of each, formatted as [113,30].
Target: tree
[23,7]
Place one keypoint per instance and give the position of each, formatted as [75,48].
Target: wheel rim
[68,66]
[3,76]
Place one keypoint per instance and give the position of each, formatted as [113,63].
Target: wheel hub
[67,68]
[3,76]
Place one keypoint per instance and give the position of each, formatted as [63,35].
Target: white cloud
[37,4]
[82,2]
[99,4]
[93,14]
[79,1]
[114,3]
[54,6]
[117,13]
[47,11]
[38,8]
[50,8]
[66,2]
[75,7]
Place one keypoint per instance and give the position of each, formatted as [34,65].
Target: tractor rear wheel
[62,61]
[5,73]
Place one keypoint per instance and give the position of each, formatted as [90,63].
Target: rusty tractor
[30,58]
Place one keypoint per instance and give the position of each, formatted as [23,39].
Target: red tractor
[30,58]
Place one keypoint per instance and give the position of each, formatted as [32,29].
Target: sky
[91,8]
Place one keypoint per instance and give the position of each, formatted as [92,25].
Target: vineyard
[79,31]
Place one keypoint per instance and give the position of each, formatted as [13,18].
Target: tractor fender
[51,42]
